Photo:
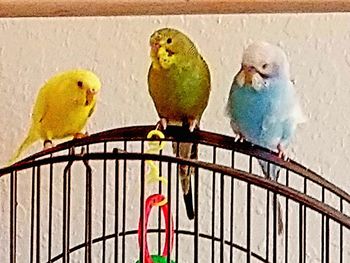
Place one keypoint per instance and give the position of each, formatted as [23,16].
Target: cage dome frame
[222,213]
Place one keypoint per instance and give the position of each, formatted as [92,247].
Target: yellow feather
[62,107]
[29,140]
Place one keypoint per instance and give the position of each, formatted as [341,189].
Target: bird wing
[40,107]
[229,107]
[284,116]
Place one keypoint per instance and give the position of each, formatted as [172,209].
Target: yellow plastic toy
[154,148]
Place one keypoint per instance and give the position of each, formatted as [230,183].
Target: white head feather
[266,58]
[271,61]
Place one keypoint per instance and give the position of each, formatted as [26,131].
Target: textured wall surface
[117,49]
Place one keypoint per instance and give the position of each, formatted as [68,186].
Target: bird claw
[162,124]
[80,135]
[192,124]
[281,153]
[48,144]
[239,137]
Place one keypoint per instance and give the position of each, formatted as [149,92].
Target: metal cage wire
[85,207]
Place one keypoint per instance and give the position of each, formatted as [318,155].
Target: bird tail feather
[271,171]
[188,151]
[28,141]
[279,218]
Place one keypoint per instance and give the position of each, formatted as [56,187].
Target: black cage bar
[81,201]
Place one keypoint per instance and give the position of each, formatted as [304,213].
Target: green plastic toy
[158,259]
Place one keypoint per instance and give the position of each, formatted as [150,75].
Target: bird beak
[90,94]
[249,72]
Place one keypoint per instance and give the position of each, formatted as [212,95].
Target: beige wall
[117,49]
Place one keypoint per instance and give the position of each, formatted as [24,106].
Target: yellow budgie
[62,108]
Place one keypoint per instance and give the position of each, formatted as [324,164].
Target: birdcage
[84,201]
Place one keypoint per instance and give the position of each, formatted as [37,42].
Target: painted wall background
[116,48]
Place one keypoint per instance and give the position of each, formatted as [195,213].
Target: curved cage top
[227,179]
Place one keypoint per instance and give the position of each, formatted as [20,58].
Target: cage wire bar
[231,198]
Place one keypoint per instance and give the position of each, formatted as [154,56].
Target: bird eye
[80,84]
[169,40]
[265,66]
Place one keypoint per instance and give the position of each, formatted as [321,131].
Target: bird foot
[192,124]
[281,153]
[48,144]
[162,124]
[80,135]
[239,137]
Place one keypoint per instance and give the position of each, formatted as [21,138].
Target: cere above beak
[155,46]
[249,69]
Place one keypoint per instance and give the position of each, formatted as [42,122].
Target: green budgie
[179,84]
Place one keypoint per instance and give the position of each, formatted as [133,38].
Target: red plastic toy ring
[151,201]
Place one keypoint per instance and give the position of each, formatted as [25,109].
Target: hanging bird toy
[154,148]
[160,201]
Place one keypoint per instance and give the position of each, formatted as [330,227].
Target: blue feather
[264,116]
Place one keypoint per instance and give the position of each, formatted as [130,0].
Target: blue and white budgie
[262,105]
